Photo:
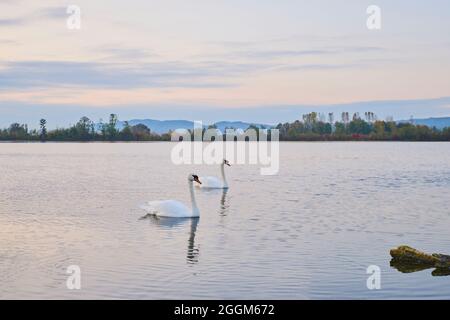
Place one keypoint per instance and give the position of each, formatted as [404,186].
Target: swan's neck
[193,202]
[224,179]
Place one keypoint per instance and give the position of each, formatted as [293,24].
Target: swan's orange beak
[197,180]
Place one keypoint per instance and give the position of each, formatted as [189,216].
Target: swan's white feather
[168,208]
[211,183]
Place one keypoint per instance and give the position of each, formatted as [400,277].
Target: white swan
[174,208]
[214,182]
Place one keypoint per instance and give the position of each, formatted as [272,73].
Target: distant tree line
[84,130]
[316,126]
[312,127]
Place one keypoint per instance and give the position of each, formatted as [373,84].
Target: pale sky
[253,60]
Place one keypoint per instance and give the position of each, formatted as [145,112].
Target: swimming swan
[214,182]
[174,208]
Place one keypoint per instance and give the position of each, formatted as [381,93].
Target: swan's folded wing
[166,208]
[211,182]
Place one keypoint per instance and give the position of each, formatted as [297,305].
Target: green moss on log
[407,259]
[413,256]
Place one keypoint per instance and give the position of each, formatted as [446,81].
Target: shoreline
[156,141]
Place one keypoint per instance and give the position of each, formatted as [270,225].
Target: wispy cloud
[44,74]
[40,14]
[9,22]
[57,12]
[117,52]
[122,74]
[271,54]
[318,66]
[268,54]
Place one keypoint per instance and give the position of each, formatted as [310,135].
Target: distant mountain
[164,126]
[222,125]
[158,126]
[439,123]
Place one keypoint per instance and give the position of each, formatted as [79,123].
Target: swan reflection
[224,202]
[193,251]
[169,223]
[224,205]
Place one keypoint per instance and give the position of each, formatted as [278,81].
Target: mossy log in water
[406,259]
[413,256]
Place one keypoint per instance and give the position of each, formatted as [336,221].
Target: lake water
[309,232]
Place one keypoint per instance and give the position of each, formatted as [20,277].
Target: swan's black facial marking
[225,161]
[196,178]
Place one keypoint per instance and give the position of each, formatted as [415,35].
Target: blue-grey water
[309,232]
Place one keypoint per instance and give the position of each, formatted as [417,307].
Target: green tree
[111,130]
[43,126]
[358,126]
[126,134]
[141,132]
[17,131]
[84,129]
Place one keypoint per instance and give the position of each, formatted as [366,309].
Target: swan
[214,182]
[174,208]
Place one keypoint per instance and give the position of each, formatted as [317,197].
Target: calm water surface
[309,232]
